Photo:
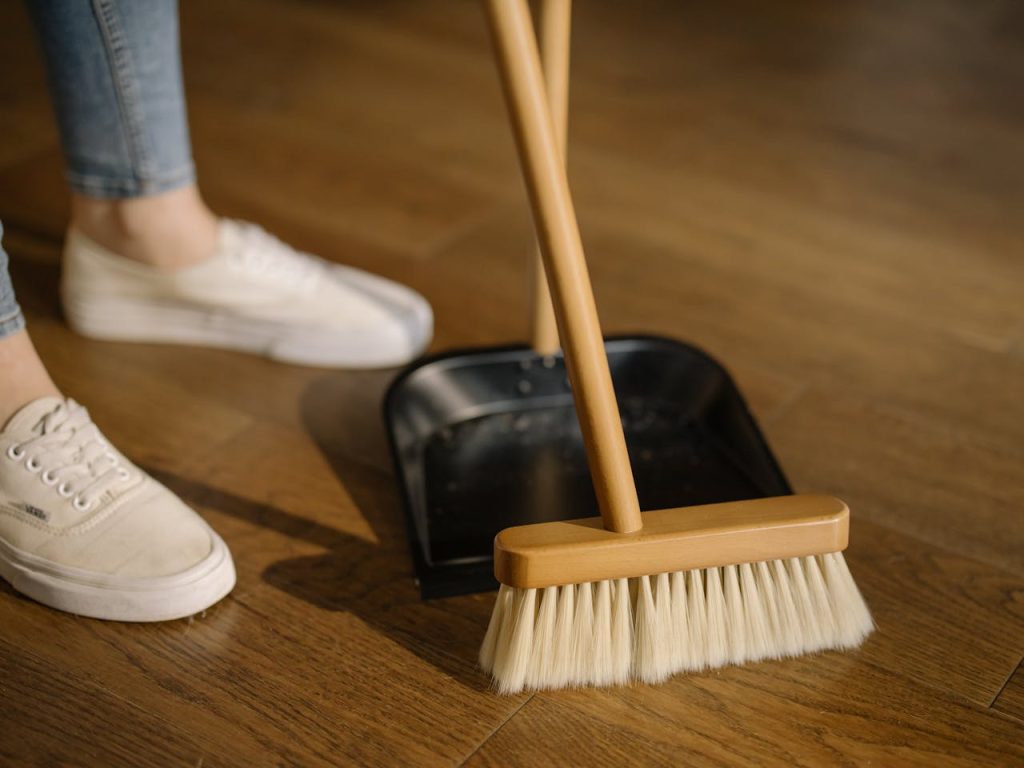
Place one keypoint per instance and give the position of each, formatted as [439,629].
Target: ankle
[23,378]
[169,231]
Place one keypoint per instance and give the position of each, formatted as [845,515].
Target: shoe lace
[260,253]
[71,454]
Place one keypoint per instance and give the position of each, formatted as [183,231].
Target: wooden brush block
[681,539]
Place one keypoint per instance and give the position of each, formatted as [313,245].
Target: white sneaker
[83,530]
[256,294]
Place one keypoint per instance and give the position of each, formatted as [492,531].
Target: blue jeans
[114,71]
[11,320]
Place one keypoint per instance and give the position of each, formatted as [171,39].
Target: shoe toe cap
[367,321]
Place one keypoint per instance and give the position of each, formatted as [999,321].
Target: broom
[630,595]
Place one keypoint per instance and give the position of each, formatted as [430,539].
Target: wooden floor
[827,197]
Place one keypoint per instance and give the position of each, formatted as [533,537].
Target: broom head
[695,588]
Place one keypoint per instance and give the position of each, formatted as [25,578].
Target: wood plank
[825,710]
[256,684]
[500,309]
[55,717]
[883,461]
[33,194]
[927,602]
[27,116]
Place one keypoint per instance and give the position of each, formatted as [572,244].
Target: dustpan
[485,439]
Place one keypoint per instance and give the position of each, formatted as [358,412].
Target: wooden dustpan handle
[564,264]
[554,29]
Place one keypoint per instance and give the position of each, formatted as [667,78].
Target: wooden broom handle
[554,30]
[566,268]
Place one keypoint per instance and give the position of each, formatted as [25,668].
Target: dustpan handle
[564,264]
[554,28]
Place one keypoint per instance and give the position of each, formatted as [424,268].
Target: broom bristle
[651,627]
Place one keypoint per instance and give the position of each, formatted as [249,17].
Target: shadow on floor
[372,581]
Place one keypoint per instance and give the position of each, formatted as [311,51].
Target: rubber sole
[114,598]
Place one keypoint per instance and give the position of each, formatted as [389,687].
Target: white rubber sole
[123,320]
[115,598]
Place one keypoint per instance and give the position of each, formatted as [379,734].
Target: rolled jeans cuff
[11,322]
[99,185]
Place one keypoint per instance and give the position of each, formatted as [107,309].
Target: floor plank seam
[493,733]
[1006,682]
[952,695]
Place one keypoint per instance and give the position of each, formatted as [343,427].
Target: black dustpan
[486,439]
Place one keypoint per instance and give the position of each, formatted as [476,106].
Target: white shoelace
[260,253]
[70,454]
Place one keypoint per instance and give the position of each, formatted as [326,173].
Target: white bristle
[790,634]
[735,624]
[663,638]
[697,618]
[622,633]
[562,658]
[488,648]
[716,642]
[601,669]
[810,625]
[653,659]
[644,648]
[680,656]
[822,604]
[583,635]
[755,614]
[851,611]
[511,674]
[774,627]
[650,627]
[541,654]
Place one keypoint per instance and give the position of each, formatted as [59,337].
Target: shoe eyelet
[64,489]
[81,504]
[33,465]
[123,473]
[14,453]
[48,477]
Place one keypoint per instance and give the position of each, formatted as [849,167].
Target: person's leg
[115,73]
[22,375]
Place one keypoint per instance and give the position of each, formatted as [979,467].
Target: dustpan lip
[393,390]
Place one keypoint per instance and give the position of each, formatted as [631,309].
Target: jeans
[114,72]
[11,320]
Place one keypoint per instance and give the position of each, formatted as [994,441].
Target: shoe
[84,531]
[256,294]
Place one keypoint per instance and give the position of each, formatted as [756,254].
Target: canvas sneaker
[85,531]
[256,294]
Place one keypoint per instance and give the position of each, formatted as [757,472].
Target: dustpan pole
[554,29]
[564,264]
